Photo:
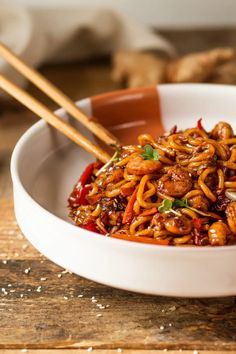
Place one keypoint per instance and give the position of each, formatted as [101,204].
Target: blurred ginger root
[139,69]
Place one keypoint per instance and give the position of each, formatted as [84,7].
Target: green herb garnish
[183,203]
[214,160]
[114,158]
[150,153]
[167,206]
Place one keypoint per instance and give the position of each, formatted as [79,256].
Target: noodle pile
[178,189]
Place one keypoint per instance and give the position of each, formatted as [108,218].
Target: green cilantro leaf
[150,153]
[183,203]
[166,205]
[180,203]
[214,160]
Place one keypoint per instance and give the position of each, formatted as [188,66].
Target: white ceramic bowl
[45,165]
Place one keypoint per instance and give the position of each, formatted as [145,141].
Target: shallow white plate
[45,166]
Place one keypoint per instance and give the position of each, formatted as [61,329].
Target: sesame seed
[21,295]
[4,261]
[65,297]
[9,285]
[195,352]
[39,289]
[90,349]
[165,350]
[12,291]
[25,246]
[107,306]
[162,310]
[170,324]
[162,327]
[119,350]
[172,308]
[43,279]
[59,275]
[66,271]
[99,315]
[81,295]
[27,270]
[24,350]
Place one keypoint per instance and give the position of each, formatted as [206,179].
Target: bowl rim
[39,126]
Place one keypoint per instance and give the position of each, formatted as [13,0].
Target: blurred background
[162,13]
[91,46]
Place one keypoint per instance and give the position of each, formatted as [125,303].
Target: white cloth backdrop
[62,34]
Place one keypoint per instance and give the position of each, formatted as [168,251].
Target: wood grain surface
[43,307]
[108,351]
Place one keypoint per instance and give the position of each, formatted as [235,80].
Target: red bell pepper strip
[90,226]
[86,175]
[141,239]
[82,200]
[129,212]
[126,191]
[149,212]
[78,195]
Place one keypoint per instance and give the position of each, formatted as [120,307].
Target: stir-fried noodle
[178,189]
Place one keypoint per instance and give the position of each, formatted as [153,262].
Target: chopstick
[43,112]
[57,95]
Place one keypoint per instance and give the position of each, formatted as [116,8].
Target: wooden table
[47,310]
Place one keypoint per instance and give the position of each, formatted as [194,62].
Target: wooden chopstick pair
[60,98]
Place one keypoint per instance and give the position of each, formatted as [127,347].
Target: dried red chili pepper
[199,124]
[173,129]
[197,223]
